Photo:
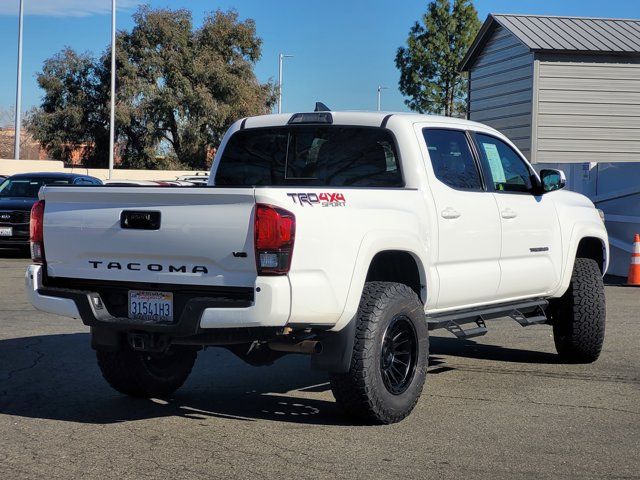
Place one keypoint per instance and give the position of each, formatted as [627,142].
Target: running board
[535,317]
[525,313]
[460,332]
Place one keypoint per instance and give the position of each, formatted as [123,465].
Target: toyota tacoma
[343,236]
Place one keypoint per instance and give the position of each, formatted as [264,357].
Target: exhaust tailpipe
[307,347]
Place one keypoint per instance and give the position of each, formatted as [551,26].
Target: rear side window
[310,155]
[451,158]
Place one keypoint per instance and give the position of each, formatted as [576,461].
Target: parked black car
[19,192]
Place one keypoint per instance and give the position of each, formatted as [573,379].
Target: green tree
[429,64]
[178,90]
[74,112]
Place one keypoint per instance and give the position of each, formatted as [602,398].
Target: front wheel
[145,374]
[390,356]
[579,316]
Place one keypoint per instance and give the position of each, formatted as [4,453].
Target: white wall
[11,167]
[615,189]
[617,193]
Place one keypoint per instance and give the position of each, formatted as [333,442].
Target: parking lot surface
[496,407]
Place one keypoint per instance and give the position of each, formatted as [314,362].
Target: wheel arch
[587,241]
[399,266]
[593,248]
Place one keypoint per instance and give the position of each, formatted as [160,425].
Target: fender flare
[338,341]
[579,232]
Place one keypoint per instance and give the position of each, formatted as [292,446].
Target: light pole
[18,124]
[380,88]
[112,121]
[281,58]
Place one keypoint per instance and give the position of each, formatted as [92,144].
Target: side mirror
[552,179]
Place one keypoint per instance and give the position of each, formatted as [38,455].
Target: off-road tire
[361,392]
[579,316]
[149,375]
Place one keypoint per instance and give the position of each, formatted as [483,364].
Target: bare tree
[29,148]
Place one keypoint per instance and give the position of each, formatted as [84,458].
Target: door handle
[508,213]
[450,214]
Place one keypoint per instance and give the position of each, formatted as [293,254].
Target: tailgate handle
[140,220]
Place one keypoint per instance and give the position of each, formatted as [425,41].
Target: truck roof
[370,119]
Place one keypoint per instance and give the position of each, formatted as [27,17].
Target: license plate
[151,306]
[6,231]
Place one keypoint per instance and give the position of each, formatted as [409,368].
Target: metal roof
[542,33]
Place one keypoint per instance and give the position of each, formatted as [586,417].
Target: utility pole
[18,113]
[112,122]
[380,88]
[281,58]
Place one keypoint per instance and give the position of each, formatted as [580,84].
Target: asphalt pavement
[499,407]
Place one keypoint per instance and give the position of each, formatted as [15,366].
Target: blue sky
[343,48]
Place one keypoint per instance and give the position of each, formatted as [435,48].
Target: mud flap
[337,349]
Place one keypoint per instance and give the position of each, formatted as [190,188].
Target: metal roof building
[566,91]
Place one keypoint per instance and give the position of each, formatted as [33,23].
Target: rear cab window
[310,155]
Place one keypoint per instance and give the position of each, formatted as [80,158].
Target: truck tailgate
[204,236]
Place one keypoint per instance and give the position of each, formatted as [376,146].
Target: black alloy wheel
[390,356]
[399,355]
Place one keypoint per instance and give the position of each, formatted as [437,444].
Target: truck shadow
[469,349]
[56,377]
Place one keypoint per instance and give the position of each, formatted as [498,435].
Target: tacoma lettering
[151,267]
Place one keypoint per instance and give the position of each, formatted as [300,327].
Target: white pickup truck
[344,236]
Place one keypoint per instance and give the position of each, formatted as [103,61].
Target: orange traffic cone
[634,268]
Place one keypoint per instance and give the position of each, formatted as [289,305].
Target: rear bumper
[14,242]
[60,306]
[20,235]
[270,307]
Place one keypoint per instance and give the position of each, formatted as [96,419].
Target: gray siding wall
[500,90]
[588,112]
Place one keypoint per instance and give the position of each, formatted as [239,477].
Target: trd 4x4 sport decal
[322,199]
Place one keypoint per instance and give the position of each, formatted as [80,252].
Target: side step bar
[525,313]
[459,332]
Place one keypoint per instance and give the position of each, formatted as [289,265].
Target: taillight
[36,232]
[275,231]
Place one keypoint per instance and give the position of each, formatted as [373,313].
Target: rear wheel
[579,316]
[146,374]
[390,356]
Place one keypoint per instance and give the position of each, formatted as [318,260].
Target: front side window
[509,172]
[310,155]
[451,158]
